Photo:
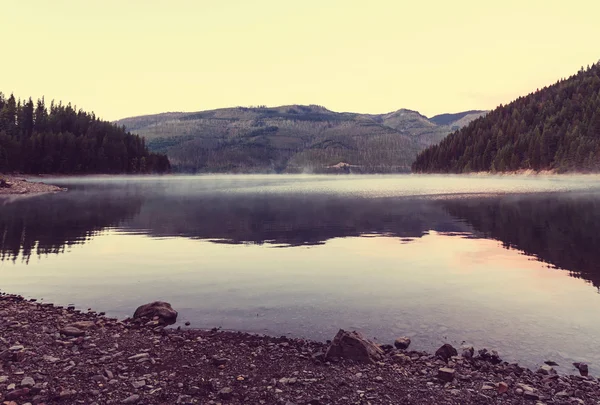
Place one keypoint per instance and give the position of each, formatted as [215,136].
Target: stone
[159,309]
[139,356]
[226,393]
[50,359]
[72,331]
[132,399]
[401,358]
[138,384]
[27,382]
[402,343]
[353,346]
[551,363]
[446,352]
[582,367]
[546,370]
[16,394]
[446,374]
[467,351]
[219,361]
[530,395]
[83,325]
[3,378]
[525,387]
[502,387]
[16,348]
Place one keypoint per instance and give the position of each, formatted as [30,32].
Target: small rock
[531,395]
[139,356]
[72,331]
[402,342]
[545,369]
[225,393]
[138,384]
[16,348]
[50,359]
[445,352]
[219,361]
[582,367]
[467,351]
[551,363]
[487,387]
[446,374]
[27,382]
[131,399]
[16,394]
[3,378]
[502,387]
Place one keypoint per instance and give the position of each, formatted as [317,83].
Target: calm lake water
[508,263]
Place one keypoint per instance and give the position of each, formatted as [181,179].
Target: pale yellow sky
[130,57]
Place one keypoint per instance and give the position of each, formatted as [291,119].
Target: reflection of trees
[288,219]
[48,223]
[562,230]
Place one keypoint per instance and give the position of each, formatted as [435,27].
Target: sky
[122,58]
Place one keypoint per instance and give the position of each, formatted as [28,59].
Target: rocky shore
[15,185]
[55,355]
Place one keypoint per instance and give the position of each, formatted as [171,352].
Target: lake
[508,263]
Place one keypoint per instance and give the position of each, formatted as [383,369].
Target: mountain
[457,118]
[556,128]
[293,138]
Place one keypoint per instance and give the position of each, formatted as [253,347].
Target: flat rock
[131,399]
[446,374]
[72,331]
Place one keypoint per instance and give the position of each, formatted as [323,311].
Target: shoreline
[17,185]
[50,354]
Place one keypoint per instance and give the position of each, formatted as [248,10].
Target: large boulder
[352,345]
[161,311]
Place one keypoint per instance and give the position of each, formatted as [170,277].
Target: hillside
[292,138]
[63,139]
[556,128]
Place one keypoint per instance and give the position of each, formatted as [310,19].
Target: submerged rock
[157,309]
[352,345]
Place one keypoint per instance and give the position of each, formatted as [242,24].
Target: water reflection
[558,228]
[47,224]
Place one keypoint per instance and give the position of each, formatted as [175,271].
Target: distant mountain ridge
[292,138]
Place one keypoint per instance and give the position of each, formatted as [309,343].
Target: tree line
[61,139]
[555,128]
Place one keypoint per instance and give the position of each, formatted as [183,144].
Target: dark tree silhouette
[556,128]
[67,140]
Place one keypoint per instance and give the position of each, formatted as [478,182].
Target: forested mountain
[556,128]
[62,139]
[290,138]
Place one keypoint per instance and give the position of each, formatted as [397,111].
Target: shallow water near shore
[508,263]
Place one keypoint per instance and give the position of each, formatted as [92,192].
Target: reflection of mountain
[559,229]
[288,219]
[48,223]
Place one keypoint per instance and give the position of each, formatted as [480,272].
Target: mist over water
[507,263]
